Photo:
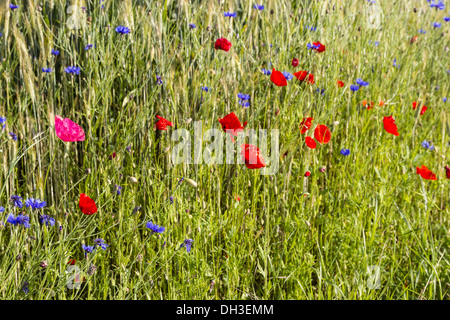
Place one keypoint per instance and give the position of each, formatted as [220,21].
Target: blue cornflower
[155,228]
[21,219]
[395,64]
[159,80]
[3,121]
[122,30]
[89,249]
[101,243]
[46,70]
[371,1]
[440,5]
[118,189]
[258,7]
[89,46]
[128,148]
[205,89]
[35,204]
[243,99]
[376,43]
[230,14]
[13,6]
[312,28]
[312,46]
[188,244]
[13,136]
[72,70]
[55,52]
[422,31]
[2,209]
[446,19]
[49,221]
[245,104]
[192,26]
[444,99]
[25,287]
[437,24]
[243,96]
[16,200]
[361,82]
[171,199]
[345,152]
[321,91]
[427,144]
[287,75]
[354,87]
[266,72]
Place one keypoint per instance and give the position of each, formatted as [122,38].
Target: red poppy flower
[301,76]
[321,46]
[414,105]
[381,103]
[222,44]
[340,83]
[237,198]
[72,262]
[413,39]
[310,142]
[162,123]
[87,205]
[112,156]
[322,134]
[424,108]
[278,78]
[294,62]
[252,156]
[307,174]
[231,124]
[447,172]
[390,126]
[306,124]
[426,173]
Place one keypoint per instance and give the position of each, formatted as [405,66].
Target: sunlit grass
[289,237]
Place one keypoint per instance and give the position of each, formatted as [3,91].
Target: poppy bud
[307,174]
[191,182]
[132,180]
[322,168]
[294,62]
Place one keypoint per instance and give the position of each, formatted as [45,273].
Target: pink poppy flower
[67,130]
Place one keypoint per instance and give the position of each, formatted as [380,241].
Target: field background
[367,209]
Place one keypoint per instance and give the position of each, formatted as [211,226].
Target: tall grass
[289,236]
